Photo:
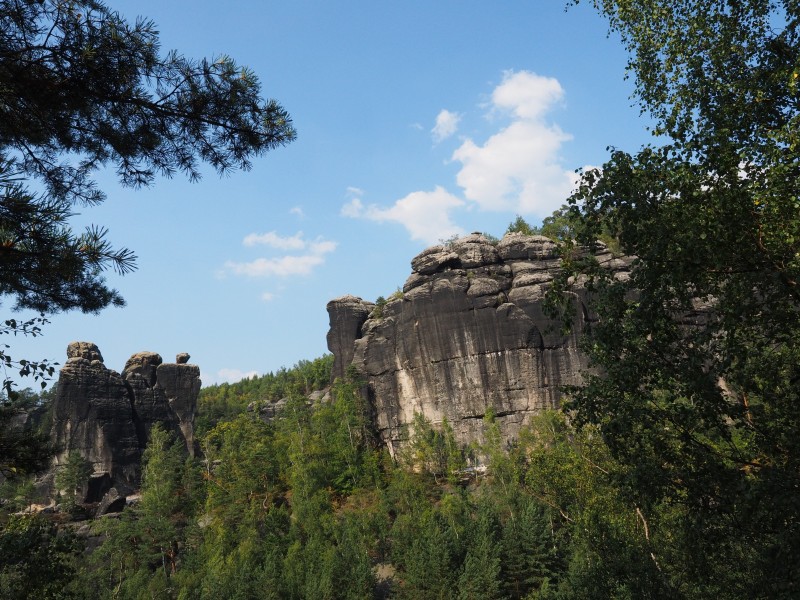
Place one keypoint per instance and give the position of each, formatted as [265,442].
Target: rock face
[347,314]
[107,416]
[468,335]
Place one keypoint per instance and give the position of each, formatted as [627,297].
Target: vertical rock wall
[468,335]
[107,416]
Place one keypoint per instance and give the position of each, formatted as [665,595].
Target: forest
[672,472]
[311,506]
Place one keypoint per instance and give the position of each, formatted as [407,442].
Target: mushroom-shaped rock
[84,350]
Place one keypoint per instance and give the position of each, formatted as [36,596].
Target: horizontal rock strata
[468,335]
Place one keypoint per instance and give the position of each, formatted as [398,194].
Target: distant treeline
[225,401]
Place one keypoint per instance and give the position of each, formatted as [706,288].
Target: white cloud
[353,209]
[267,296]
[282,266]
[354,192]
[273,240]
[446,125]
[229,376]
[321,247]
[528,95]
[426,215]
[517,168]
[298,211]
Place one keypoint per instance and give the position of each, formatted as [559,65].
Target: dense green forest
[310,506]
[674,472]
[227,400]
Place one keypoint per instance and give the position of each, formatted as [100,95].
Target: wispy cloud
[446,125]
[273,240]
[312,255]
[425,215]
[353,209]
[297,211]
[267,296]
[517,168]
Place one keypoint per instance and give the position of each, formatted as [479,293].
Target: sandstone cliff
[467,334]
[107,416]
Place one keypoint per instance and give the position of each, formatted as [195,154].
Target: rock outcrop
[467,335]
[107,416]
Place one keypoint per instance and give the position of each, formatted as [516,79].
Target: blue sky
[416,120]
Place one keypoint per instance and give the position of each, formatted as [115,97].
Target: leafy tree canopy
[698,348]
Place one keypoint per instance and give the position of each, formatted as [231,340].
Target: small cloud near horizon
[273,240]
[227,376]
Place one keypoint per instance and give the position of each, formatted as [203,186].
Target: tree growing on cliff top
[82,89]
[698,350]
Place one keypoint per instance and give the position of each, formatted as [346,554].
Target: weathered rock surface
[347,315]
[469,334]
[107,416]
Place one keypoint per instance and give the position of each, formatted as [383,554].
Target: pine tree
[72,478]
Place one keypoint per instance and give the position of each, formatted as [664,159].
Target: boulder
[516,246]
[434,259]
[475,250]
[84,351]
[142,364]
[112,502]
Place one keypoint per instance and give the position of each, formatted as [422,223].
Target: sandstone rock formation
[469,334]
[107,416]
[347,314]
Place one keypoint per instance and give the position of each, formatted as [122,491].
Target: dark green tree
[83,89]
[697,390]
[432,560]
[36,560]
[140,555]
[24,449]
[480,573]
[520,225]
[71,479]
[529,553]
